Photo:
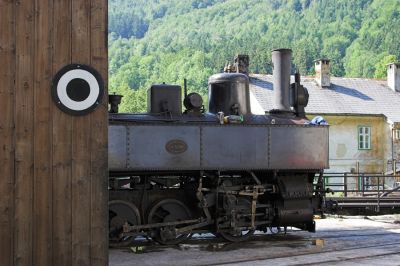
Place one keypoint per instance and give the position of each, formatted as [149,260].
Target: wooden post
[42,222]
[99,140]
[24,70]
[53,185]
[7,146]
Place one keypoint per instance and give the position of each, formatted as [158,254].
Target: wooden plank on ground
[81,134]
[61,142]
[42,205]
[7,76]
[99,139]
[23,215]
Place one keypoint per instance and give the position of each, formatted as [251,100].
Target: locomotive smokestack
[281,59]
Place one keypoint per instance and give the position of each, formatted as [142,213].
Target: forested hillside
[154,41]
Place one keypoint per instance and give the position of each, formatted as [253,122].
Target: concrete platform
[339,240]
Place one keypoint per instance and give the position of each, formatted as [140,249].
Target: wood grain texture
[54,176]
[23,216]
[42,188]
[7,89]
[81,135]
[61,144]
[99,140]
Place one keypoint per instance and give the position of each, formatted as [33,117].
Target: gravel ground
[372,240]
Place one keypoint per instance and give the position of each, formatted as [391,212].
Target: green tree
[381,66]
[154,41]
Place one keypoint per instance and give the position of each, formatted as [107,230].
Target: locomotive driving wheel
[121,212]
[243,210]
[169,210]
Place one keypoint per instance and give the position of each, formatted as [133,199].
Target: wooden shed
[53,166]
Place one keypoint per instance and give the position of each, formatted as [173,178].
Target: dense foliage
[156,41]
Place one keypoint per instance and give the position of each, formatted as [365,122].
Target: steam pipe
[281,59]
[185,88]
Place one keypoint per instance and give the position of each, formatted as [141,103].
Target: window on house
[364,138]
[397,134]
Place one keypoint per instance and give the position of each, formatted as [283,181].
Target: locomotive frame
[228,171]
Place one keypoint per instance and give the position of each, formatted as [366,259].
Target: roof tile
[344,96]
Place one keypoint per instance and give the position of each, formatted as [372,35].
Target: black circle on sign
[80,94]
[78,90]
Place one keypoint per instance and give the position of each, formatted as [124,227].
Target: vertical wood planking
[24,133]
[81,134]
[7,76]
[42,222]
[53,185]
[99,139]
[61,142]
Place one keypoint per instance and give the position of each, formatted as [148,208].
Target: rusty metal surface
[281,59]
[227,90]
[156,147]
[299,147]
[214,147]
[234,147]
[165,99]
[117,147]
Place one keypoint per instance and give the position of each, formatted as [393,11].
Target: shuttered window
[364,138]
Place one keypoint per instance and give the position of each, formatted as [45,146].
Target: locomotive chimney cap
[231,77]
[282,50]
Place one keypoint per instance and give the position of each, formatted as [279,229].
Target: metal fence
[369,191]
[362,184]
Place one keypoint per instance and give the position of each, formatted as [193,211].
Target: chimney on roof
[242,62]
[393,76]
[322,70]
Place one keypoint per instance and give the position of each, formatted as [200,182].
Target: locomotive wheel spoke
[121,212]
[169,210]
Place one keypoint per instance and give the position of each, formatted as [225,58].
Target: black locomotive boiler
[227,171]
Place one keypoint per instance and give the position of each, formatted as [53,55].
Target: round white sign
[77,89]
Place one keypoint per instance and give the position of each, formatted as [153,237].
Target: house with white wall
[363,114]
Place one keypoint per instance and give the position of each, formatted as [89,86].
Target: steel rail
[265,258]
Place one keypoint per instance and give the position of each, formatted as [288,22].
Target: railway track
[267,260]
[142,241]
[357,258]
[346,242]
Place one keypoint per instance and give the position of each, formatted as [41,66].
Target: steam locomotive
[225,171]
